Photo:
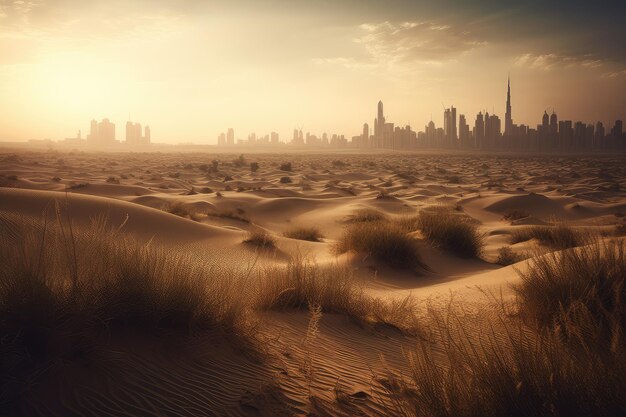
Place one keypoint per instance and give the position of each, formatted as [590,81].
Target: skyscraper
[93,131]
[130,133]
[464,133]
[508,120]
[230,137]
[106,132]
[479,131]
[379,127]
[449,126]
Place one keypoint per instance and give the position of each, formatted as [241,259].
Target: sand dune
[181,202]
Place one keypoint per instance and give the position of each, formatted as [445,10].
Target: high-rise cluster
[134,135]
[103,134]
[487,133]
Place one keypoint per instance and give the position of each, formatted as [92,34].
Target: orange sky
[191,69]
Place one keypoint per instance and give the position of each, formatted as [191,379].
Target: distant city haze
[192,69]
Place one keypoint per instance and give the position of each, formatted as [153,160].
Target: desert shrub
[56,179]
[408,222]
[260,239]
[113,180]
[302,283]
[311,234]
[506,256]
[237,214]
[560,236]
[239,161]
[382,194]
[512,215]
[488,364]
[64,293]
[454,179]
[366,215]
[334,289]
[254,166]
[285,180]
[451,232]
[77,185]
[179,209]
[206,190]
[382,241]
[580,291]
[285,166]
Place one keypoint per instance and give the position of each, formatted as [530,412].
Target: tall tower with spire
[508,121]
[379,126]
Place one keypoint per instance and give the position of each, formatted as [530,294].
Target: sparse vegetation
[452,232]
[112,180]
[254,166]
[285,167]
[285,180]
[239,161]
[513,215]
[311,234]
[366,215]
[238,214]
[333,289]
[382,194]
[560,236]
[489,364]
[506,256]
[77,185]
[578,292]
[65,293]
[179,209]
[260,239]
[381,240]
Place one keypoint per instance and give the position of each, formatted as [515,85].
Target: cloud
[551,61]
[389,44]
[415,41]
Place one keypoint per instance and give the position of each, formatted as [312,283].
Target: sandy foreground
[137,190]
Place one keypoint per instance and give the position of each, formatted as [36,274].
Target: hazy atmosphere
[312,208]
[191,69]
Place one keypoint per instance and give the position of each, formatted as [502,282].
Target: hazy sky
[191,69]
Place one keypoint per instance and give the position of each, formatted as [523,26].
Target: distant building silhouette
[508,119]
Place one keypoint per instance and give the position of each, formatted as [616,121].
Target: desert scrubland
[312,284]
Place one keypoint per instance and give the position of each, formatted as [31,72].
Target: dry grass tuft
[506,256]
[488,364]
[560,236]
[260,239]
[65,292]
[366,215]
[578,291]
[381,240]
[311,234]
[179,209]
[334,289]
[451,232]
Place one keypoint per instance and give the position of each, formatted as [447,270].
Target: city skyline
[453,130]
[183,66]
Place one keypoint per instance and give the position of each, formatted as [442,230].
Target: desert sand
[180,201]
